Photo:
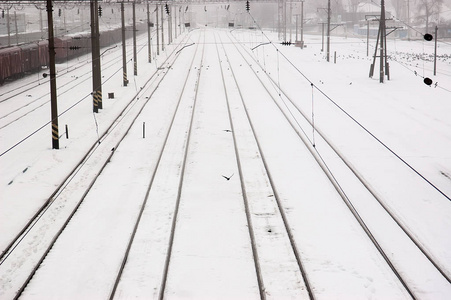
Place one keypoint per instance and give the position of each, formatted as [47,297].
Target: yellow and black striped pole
[95,101]
[95,61]
[54,106]
[135,55]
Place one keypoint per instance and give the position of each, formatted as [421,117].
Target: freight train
[17,61]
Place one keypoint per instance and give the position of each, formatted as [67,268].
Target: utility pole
[282,19]
[175,22]
[162,27]
[124,50]
[149,45]
[290,21]
[135,56]
[408,20]
[8,26]
[17,29]
[382,39]
[95,45]
[168,12]
[302,24]
[435,51]
[368,38]
[41,27]
[53,95]
[158,30]
[328,30]
[383,42]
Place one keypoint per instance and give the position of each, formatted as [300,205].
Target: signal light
[427,81]
[167,8]
[3,13]
[248,6]
[100,11]
[59,12]
[428,37]
[74,47]
[286,43]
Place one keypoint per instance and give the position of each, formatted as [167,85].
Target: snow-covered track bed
[420,267]
[31,205]
[25,254]
[193,238]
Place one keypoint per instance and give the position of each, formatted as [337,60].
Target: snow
[212,254]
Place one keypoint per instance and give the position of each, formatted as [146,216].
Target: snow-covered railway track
[390,235]
[29,100]
[180,126]
[17,264]
[267,220]
[193,248]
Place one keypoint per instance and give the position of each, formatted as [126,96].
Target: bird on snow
[228,178]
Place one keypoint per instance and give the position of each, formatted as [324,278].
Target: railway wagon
[44,53]
[10,63]
[30,57]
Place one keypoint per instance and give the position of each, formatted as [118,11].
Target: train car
[62,45]
[10,63]
[30,57]
[17,60]
[43,47]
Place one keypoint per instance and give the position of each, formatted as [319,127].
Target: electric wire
[356,121]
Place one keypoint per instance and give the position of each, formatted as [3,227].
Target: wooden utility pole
[53,95]
[124,49]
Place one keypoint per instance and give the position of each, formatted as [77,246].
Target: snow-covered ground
[212,256]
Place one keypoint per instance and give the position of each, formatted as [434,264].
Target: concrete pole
[135,56]
[302,24]
[158,30]
[149,45]
[435,51]
[124,47]
[53,95]
[328,30]
[162,27]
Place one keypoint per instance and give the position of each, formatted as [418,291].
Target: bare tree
[427,8]
[400,7]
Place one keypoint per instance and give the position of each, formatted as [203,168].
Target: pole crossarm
[394,29]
